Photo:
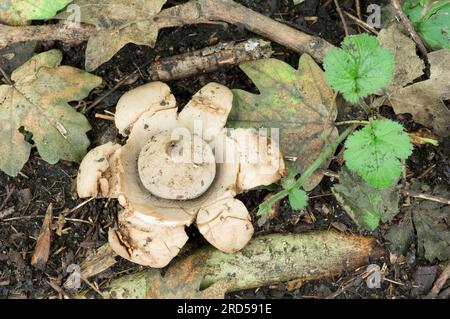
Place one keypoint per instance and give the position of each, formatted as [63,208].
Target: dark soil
[86,228]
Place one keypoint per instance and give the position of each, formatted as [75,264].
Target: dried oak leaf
[408,66]
[37,102]
[423,100]
[365,204]
[183,281]
[298,102]
[118,23]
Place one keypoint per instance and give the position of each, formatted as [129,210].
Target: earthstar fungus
[175,168]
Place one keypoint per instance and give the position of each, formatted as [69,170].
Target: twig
[192,12]
[439,283]
[361,23]
[209,59]
[410,29]
[341,15]
[415,194]
[206,60]
[358,9]
[104,117]
[6,77]
[9,192]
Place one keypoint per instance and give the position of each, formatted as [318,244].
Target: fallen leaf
[42,248]
[182,281]
[37,103]
[401,236]
[423,280]
[118,23]
[18,12]
[408,66]
[431,221]
[365,204]
[425,100]
[298,102]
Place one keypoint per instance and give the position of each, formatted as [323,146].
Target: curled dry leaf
[118,23]
[176,167]
[298,102]
[43,243]
[37,103]
[424,100]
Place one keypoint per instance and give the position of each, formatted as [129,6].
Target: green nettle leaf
[366,205]
[297,102]
[375,151]
[17,12]
[298,198]
[37,103]
[359,68]
[431,19]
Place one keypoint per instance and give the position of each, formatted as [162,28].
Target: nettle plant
[376,152]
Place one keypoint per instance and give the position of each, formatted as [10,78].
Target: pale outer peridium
[177,169]
[222,219]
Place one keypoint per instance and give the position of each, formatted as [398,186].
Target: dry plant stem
[209,59]
[192,12]
[361,23]
[440,282]
[9,35]
[410,29]
[415,194]
[341,15]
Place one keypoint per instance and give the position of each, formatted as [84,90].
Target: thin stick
[440,282]
[358,9]
[341,15]
[209,59]
[6,77]
[104,117]
[361,23]
[192,12]
[410,29]
[415,194]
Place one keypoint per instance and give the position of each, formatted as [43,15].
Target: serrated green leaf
[298,198]
[118,23]
[359,68]
[17,12]
[365,204]
[375,151]
[38,103]
[298,102]
[431,19]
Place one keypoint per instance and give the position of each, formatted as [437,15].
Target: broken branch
[192,12]
[280,258]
